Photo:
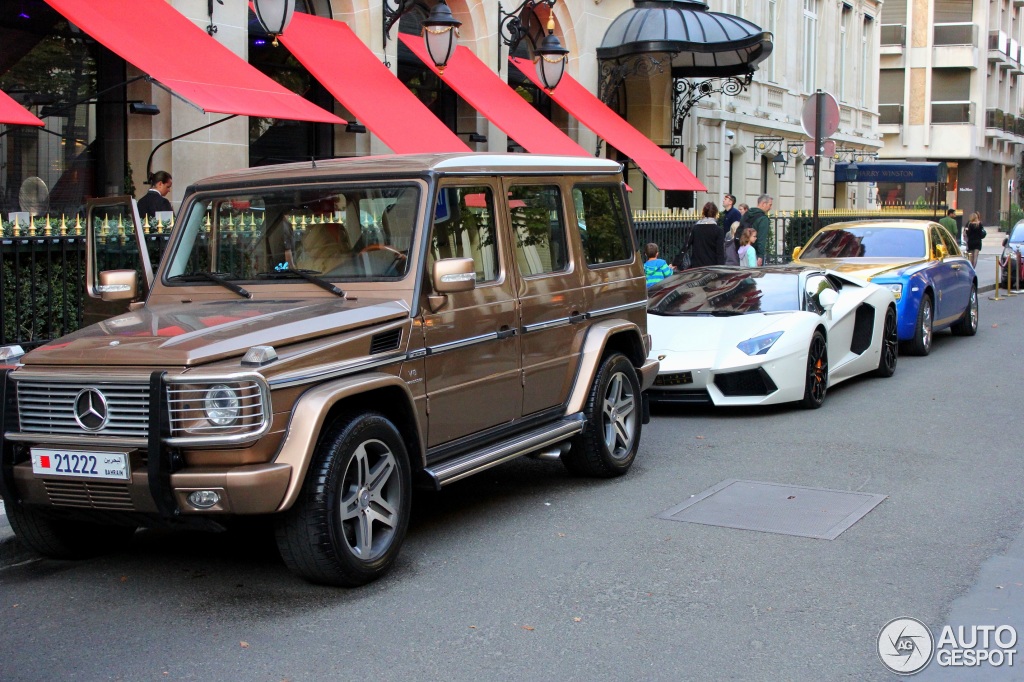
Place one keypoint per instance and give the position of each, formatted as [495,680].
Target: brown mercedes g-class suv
[318,337]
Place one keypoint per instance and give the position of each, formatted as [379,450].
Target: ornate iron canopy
[702,44]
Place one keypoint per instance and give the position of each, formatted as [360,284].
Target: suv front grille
[49,407]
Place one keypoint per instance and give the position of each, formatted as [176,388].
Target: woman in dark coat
[707,240]
[974,232]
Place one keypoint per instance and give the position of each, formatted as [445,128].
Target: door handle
[577,317]
[957,267]
[506,332]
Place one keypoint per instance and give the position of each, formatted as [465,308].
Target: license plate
[81,464]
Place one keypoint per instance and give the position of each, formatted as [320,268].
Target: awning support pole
[149,161]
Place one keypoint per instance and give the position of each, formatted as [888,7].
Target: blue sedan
[933,282]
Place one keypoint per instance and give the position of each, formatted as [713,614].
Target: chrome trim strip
[462,343]
[76,440]
[550,324]
[338,370]
[65,378]
[618,308]
[416,354]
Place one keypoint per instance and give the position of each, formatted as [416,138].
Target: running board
[522,444]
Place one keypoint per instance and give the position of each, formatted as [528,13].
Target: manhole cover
[776,508]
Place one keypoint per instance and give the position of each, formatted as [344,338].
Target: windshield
[867,242]
[357,232]
[726,293]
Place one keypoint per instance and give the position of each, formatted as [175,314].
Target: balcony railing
[1009,123]
[965,33]
[894,34]
[1020,122]
[994,119]
[890,114]
[952,112]
[998,41]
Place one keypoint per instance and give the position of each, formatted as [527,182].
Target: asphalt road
[526,573]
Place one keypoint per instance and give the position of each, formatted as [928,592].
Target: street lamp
[274,15]
[441,35]
[779,164]
[852,171]
[551,57]
[809,168]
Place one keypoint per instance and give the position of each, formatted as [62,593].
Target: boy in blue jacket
[656,269]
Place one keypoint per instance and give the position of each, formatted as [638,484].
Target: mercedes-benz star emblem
[91,409]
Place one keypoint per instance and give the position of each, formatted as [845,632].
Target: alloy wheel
[620,415]
[371,498]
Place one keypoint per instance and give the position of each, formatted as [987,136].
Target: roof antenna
[312,160]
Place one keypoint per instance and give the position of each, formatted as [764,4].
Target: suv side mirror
[941,252]
[452,275]
[117,285]
[827,298]
[796,252]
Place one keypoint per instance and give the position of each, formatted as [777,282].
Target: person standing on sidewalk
[156,198]
[974,233]
[758,219]
[708,240]
[949,222]
[731,214]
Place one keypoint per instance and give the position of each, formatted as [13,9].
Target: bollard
[997,297]
[1005,266]
[1017,288]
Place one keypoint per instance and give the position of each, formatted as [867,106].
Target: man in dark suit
[156,198]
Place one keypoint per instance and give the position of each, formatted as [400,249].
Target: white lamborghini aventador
[757,336]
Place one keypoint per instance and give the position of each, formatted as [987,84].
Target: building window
[773,9]
[866,42]
[844,49]
[810,44]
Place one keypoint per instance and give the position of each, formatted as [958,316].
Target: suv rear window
[602,222]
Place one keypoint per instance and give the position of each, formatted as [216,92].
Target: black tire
[350,519]
[968,324]
[816,384]
[921,344]
[890,346]
[609,441]
[58,538]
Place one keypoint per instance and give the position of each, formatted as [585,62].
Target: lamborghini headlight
[896,289]
[759,345]
[221,405]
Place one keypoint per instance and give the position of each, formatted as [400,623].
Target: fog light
[203,499]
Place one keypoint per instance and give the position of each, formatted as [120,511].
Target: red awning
[13,113]
[493,98]
[160,41]
[664,170]
[367,88]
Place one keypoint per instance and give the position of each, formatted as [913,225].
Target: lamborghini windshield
[867,242]
[352,232]
[725,291]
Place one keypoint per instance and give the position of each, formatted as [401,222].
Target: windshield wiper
[216,277]
[308,275]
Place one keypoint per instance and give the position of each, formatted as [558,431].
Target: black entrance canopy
[703,44]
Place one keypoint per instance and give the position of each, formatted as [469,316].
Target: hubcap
[371,498]
[619,416]
[818,363]
[891,341]
[926,323]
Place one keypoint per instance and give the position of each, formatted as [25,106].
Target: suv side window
[464,228]
[602,223]
[536,212]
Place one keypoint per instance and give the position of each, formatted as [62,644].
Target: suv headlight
[222,405]
[759,345]
[217,410]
